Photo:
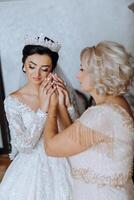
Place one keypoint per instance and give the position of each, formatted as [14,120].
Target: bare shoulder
[15,93]
[18,93]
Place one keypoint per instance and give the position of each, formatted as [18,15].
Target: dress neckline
[17,100]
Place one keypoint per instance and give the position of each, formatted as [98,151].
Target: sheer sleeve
[23,139]
[85,136]
[89,130]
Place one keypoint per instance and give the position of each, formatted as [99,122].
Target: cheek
[78,76]
[45,74]
[29,72]
[88,82]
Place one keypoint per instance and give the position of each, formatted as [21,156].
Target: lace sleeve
[86,137]
[24,139]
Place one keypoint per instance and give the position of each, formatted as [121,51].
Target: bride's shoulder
[18,93]
[15,95]
[13,98]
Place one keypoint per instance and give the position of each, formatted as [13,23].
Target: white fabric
[32,175]
[104,171]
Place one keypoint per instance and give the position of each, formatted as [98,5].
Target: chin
[36,82]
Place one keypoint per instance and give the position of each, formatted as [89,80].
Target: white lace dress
[32,175]
[104,171]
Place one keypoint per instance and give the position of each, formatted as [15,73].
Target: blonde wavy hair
[112,65]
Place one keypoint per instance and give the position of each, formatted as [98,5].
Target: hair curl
[112,65]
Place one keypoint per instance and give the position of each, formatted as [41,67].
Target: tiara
[43,41]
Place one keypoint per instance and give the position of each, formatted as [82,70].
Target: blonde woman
[100,144]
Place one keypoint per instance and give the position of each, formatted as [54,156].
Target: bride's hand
[45,91]
[62,91]
[54,100]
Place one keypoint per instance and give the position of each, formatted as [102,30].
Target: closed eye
[45,68]
[31,67]
[81,68]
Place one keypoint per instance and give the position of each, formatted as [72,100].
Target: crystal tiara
[43,41]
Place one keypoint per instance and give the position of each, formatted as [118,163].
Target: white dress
[32,175]
[104,171]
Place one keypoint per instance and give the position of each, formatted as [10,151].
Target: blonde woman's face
[37,68]
[86,79]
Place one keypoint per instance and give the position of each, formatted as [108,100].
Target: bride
[33,175]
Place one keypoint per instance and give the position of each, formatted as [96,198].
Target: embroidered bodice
[109,162]
[32,175]
[25,125]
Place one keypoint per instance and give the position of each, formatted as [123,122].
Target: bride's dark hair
[29,50]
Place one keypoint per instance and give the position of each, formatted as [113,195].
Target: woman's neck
[104,99]
[32,89]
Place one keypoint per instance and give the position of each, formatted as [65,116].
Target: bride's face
[37,68]
[86,79]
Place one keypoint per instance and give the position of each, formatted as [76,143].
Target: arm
[22,138]
[66,110]
[64,116]
[73,140]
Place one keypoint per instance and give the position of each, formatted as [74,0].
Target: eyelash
[45,70]
[81,70]
[31,67]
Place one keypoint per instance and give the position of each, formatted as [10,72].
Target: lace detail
[17,102]
[107,164]
[89,176]
[49,178]
[127,119]
[85,136]
[23,138]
